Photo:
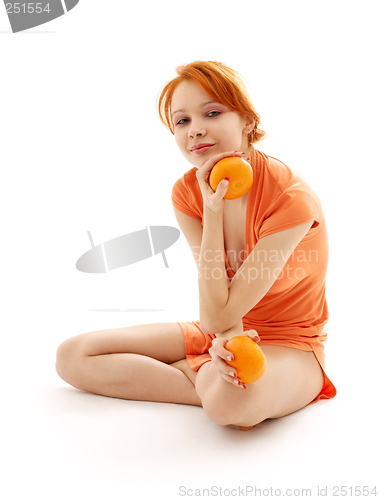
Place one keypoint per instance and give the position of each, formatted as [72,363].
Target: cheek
[180,139]
[177,138]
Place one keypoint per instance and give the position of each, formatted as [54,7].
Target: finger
[208,165]
[216,158]
[222,189]
[217,349]
[221,364]
[227,372]
[253,335]
[233,380]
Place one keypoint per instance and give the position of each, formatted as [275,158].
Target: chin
[195,162]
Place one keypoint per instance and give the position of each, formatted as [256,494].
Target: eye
[213,114]
[181,121]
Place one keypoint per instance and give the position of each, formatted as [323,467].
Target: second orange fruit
[240,176]
[249,359]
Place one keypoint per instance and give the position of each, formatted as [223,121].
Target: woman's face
[199,120]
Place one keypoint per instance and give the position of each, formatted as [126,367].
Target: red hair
[221,82]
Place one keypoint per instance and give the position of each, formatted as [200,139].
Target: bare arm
[229,304]
[193,232]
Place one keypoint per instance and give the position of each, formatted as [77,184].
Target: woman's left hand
[219,356]
[214,200]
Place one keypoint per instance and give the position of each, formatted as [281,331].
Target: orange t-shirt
[294,311]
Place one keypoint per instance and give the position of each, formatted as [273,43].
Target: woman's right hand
[213,200]
[219,354]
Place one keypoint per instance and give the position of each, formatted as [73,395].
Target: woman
[261,263]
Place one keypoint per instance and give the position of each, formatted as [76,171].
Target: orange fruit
[240,176]
[249,359]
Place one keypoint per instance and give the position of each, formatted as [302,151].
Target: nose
[196,131]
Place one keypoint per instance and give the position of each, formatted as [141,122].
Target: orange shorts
[198,344]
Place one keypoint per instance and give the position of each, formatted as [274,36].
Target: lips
[200,149]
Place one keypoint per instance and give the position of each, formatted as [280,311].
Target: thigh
[161,341]
[292,380]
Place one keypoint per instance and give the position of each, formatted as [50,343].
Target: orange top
[294,312]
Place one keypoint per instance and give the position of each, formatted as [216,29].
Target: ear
[249,125]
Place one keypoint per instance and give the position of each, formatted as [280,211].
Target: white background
[82,149]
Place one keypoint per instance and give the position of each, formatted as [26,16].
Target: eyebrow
[201,106]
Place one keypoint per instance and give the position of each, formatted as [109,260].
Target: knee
[67,361]
[224,410]
[219,414]
[222,413]
[216,395]
[223,403]
[233,406]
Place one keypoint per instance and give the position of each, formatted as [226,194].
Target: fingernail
[237,382]
[229,358]
[226,178]
[232,374]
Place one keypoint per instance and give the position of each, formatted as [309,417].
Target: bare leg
[129,363]
[292,380]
